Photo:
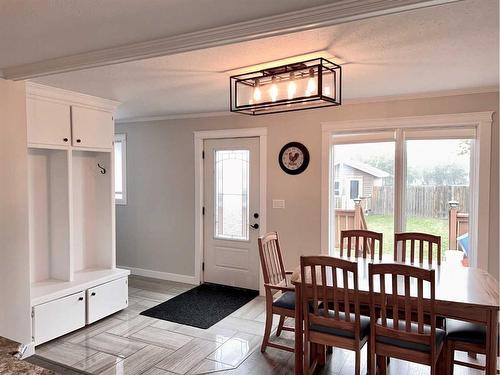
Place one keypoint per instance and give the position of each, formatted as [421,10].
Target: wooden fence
[424,201]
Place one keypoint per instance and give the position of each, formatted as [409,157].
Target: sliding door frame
[479,181]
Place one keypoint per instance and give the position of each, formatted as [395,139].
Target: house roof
[374,171]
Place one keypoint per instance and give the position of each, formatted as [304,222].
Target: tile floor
[129,343]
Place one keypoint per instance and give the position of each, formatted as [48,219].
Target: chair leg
[280,325]
[307,356]
[357,362]
[450,359]
[321,354]
[267,331]
[382,364]
[441,364]
[370,359]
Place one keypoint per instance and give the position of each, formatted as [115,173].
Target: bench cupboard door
[106,299]
[58,317]
[48,122]
[92,128]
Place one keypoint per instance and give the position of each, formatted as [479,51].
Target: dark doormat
[202,306]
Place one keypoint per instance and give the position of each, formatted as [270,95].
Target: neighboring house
[355,179]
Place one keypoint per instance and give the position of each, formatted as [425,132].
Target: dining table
[465,293]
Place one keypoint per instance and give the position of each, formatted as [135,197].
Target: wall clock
[294,158]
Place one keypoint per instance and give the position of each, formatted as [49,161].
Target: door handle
[254,226]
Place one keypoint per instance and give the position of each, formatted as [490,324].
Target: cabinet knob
[80,299]
[78,141]
[65,139]
[92,294]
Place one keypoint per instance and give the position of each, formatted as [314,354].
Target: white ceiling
[449,47]
[44,29]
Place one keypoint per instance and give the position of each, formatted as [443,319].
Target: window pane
[363,188]
[118,170]
[231,194]
[437,190]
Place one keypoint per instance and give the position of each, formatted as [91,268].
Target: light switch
[278,203]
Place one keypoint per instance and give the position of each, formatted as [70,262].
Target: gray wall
[155,230]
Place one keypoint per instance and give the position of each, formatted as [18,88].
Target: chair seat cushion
[285,301]
[458,330]
[440,335]
[364,326]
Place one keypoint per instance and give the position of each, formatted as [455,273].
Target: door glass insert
[363,189]
[438,190]
[231,194]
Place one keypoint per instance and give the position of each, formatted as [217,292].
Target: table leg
[299,336]
[442,361]
[492,344]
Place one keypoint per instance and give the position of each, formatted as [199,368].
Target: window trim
[122,138]
[480,179]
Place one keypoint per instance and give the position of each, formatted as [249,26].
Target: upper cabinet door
[48,122]
[92,128]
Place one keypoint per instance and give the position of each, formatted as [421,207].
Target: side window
[120,169]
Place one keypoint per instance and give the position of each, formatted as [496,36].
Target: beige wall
[156,229]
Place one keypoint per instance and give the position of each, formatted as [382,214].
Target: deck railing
[458,223]
[349,219]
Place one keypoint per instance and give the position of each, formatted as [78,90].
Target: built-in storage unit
[73,274]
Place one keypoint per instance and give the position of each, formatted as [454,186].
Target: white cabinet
[70,212]
[48,122]
[106,299]
[58,317]
[92,128]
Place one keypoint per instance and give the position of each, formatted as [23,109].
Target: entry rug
[202,306]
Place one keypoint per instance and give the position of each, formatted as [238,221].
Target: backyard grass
[385,224]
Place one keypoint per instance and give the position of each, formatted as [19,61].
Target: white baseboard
[161,275]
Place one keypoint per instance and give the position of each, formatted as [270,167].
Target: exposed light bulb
[257,94]
[311,83]
[327,90]
[292,86]
[273,90]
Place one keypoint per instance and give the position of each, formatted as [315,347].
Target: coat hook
[103,170]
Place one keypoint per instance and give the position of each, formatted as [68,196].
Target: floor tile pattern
[129,343]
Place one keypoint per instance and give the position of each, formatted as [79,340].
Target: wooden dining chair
[275,281]
[363,242]
[346,329]
[403,338]
[467,337]
[417,243]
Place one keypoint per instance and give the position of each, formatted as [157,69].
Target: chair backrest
[271,260]
[341,280]
[402,296]
[363,242]
[417,245]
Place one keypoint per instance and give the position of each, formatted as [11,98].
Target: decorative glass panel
[231,194]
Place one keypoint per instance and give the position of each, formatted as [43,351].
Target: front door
[231,204]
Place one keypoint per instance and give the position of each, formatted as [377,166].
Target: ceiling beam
[337,12]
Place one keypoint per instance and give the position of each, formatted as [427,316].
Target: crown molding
[306,19]
[377,99]
[54,94]
[174,117]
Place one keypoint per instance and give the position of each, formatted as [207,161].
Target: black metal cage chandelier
[303,85]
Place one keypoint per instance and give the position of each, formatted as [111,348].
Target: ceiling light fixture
[302,85]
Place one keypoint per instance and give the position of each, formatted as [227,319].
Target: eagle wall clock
[294,158]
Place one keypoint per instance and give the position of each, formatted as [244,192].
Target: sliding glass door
[363,187]
[437,186]
[403,180]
